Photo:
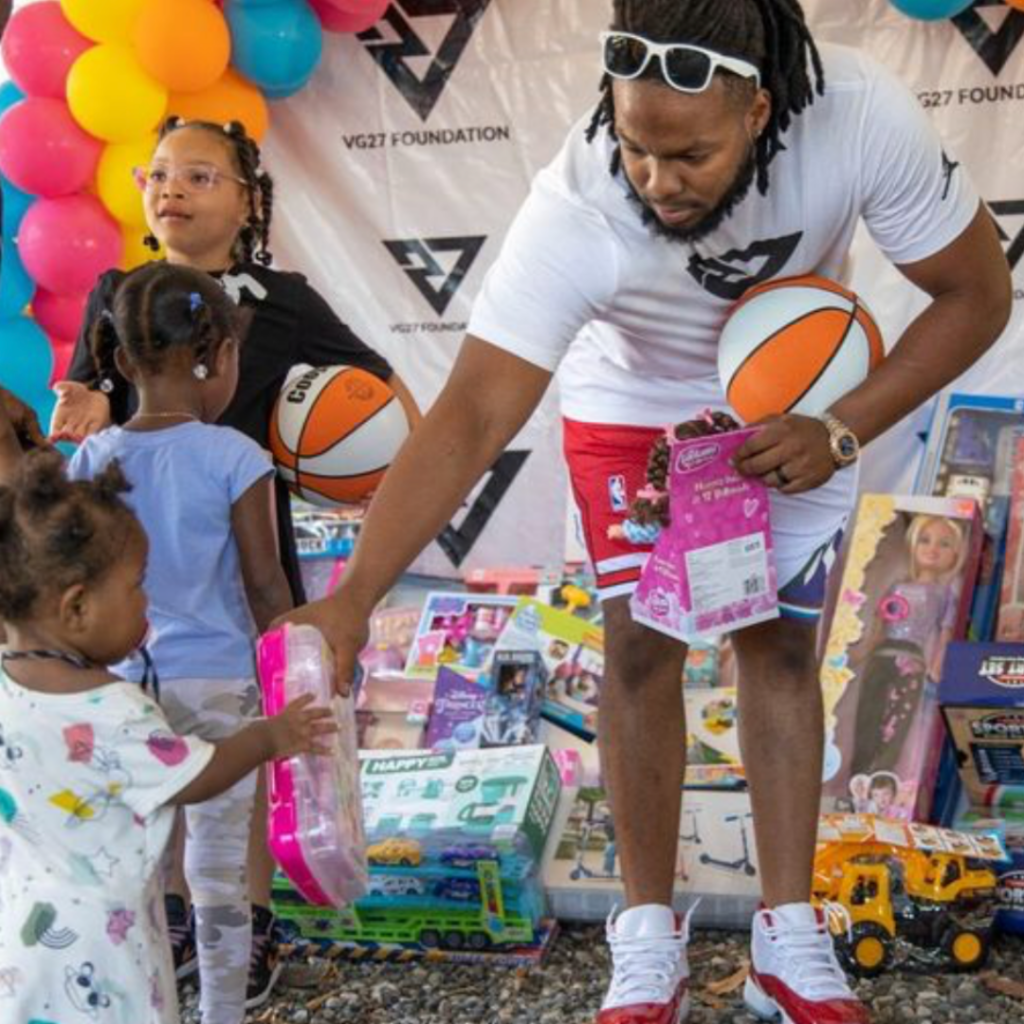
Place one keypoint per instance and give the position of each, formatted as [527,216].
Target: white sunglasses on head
[685,67]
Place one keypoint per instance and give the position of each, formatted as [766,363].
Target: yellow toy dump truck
[898,891]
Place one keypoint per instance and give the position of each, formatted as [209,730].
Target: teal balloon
[931,10]
[16,287]
[9,95]
[16,203]
[26,359]
[276,45]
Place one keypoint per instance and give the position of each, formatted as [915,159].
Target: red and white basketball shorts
[608,465]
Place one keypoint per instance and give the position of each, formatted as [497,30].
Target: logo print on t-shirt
[401,54]
[1003,210]
[416,257]
[948,167]
[728,276]
[994,47]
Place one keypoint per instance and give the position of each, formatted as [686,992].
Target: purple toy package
[712,569]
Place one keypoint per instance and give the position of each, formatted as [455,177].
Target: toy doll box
[503,797]
[982,696]
[904,593]
[458,630]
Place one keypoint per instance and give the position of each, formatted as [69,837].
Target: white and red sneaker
[794,973]
[650,975]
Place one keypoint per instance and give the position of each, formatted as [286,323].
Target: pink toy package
[316,829]
[712,569]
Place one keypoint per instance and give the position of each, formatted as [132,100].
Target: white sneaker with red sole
[650,975]
[794,974]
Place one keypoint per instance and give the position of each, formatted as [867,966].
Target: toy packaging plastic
[572,650]
[981,695]
[392,712]
[904,594]
[457,630]
[316,821]
[1010,623]
[713,569]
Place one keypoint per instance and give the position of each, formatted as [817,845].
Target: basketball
[797,344]
[334,432]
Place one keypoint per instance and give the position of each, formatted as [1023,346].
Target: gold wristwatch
[842,441]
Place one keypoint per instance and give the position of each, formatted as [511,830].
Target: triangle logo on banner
[417,257]
[1004,210]
[992,39]
[457,542]
[419,71]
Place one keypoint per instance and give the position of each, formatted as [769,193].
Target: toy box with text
[1008,823]
[458,630]
[392,711]
[572,650]
[971,446]
[1010,622]
[904,594]
[982,696]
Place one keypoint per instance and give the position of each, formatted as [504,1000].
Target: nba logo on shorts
[617,493]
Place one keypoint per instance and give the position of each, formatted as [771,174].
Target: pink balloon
[60,316]
[43,151]
[336,19]
[63,350]
[67,243]
[39,47]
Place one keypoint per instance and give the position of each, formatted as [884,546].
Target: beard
[712,220]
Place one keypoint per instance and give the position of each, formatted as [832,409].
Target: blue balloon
[931,10]
[277,45]
[16,203]
[16,287]
[9,95]
[26,359]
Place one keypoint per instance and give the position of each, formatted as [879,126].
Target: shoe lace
[810,955]
[261,950]
[645,968]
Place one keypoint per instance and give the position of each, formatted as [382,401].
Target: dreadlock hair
[254,238]
[770,34]
[158,308]
[56,533]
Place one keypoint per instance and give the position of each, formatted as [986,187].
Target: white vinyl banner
[400,167]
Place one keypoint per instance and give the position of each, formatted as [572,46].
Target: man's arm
[489,396]
[969,282]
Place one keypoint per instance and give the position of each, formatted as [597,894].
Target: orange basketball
[334,432]
[797,344]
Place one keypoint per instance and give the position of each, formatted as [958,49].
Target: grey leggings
[217,844]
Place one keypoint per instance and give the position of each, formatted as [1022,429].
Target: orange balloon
[232,98]
[1019,4]
[184,44]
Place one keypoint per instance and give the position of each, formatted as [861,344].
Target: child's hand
[299,728]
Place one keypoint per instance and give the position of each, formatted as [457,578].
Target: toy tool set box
[982,698]
[905,593]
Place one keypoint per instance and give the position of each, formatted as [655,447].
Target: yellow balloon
[105,21]
[111,97]
[115,182]
[136,252]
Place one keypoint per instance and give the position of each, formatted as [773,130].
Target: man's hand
[79,412]
[346,631]
[23,420]
[790,453]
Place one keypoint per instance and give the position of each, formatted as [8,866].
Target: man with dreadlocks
[726,150]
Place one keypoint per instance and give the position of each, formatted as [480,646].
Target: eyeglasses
[191,178]
[685,67]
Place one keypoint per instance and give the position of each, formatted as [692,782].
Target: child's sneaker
[181,927]
[264,965]
[794,973]
[650,975]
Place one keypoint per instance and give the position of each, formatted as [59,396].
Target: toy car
[463,889]
[466,856]
[405,853]
[395,885]
[925,905]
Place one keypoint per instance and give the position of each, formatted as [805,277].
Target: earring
[151,242]
[200,371]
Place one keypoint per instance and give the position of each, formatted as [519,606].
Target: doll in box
[913,623]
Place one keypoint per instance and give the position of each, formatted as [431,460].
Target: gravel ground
[569,986]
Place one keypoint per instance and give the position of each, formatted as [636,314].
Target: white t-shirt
[633,320]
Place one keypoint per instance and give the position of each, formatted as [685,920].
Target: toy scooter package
[712,569]
[316,813]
